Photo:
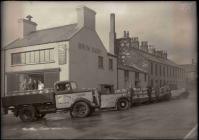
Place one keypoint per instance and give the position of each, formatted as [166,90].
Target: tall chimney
[86,17]
[26,26]
[112,34]
[192,61]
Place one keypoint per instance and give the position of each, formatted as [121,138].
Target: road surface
[170,119]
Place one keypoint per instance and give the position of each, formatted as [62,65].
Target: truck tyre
[27,114]
[80,110]
[123,104]
[39,115]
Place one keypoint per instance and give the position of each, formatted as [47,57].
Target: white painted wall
[84,63]
[64,70]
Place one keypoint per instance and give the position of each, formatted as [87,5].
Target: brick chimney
[26,26]
[86,17]
[112,34]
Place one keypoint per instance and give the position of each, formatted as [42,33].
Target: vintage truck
[140,95]
[65,96]
[118,99]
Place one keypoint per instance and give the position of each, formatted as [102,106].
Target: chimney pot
[125,34]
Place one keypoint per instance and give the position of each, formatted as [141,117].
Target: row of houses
[75,52]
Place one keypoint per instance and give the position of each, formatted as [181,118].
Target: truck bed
[28,97]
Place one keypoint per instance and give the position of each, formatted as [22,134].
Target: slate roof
[50,35]
[189,67]
[156,59]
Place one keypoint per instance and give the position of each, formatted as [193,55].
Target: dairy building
[70,52]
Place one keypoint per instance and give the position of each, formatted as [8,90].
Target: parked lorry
[65,96]
[32,105]
[118,99]
[141,95]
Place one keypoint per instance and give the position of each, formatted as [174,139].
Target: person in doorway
[30,84]
[35,84]
[23,85]
[40,85]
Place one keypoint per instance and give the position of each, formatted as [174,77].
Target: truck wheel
[80,110]
[39,115]
[122,104]
[27,114]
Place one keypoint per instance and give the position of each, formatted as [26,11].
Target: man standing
[40,85]
[149,92]
[30,84]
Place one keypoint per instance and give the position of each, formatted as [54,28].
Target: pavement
[174,119]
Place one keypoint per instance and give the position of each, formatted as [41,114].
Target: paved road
[170,119]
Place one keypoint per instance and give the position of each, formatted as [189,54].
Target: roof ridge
[54,27]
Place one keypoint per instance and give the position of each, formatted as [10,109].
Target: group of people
[31,84]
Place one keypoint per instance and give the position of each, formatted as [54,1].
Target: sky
[169,26]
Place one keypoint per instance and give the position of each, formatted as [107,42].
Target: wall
[84,61]
[64,70]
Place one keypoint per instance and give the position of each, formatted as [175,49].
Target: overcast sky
[169,26]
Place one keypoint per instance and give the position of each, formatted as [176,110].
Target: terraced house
[160,70]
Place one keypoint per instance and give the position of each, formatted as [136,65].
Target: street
[169,119]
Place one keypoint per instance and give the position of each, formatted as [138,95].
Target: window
[41,56]
[33,57]
[51,54]
[27,57]
[47,55]
[36,56]
[156,69]
[163,71]
[160,70]
[110,64]
[145,77]
[126,75]
[23,58]
[100,62]
[16,58]
[151,68]
[137,76]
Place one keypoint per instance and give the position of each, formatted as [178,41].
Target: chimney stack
[192,61]
[112,34]
[86,17]
[125,34]
[26,26]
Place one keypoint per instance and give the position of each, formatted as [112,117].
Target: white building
[70,52]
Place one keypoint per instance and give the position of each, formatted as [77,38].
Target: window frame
[28,56]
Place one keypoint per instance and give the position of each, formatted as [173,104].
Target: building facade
[71,52]
[160,70]
[190,74]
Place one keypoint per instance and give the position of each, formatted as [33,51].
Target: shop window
[110,64]
[100,62]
